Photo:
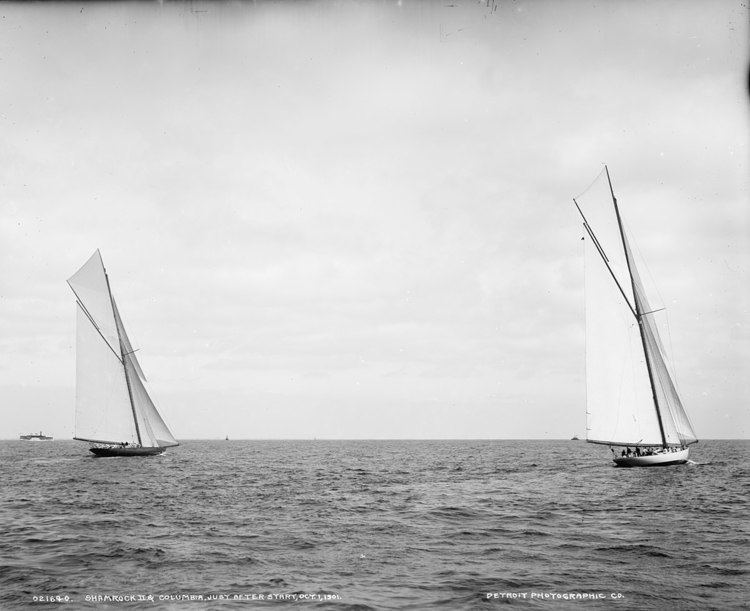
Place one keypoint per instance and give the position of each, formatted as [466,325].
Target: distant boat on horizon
[114,412]
[631,397]
[35,437]
[574,438]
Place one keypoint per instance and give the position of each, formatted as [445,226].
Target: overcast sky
[354,219]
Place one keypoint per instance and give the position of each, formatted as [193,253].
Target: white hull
[662,459]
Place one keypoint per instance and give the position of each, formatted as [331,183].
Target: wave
[385,529]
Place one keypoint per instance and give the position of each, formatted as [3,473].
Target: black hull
[658,464]
[127,451]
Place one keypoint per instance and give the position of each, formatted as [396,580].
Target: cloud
[357,218]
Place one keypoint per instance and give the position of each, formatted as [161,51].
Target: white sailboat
[114,412]
[631,397]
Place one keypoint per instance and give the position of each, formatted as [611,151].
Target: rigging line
[127,343]
[585,342]
[86,312]
[672,365]
[124,366]
[669,356]
[596,242]
[674,403]
[642,260]
[604,257]
[591,232]
[664,383]
[628,257]
[622,292]
[672,359]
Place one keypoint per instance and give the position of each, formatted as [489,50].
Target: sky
[355,219]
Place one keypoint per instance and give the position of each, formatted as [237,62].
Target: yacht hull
[662,459]
[127,451]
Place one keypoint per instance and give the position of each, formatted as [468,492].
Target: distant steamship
[35,437]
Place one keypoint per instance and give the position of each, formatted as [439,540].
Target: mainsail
[103,412]
[112,403]
[631,397]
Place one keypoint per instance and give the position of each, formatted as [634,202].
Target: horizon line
[382,439]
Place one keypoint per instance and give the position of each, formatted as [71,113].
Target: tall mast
[638,313]
[122,353]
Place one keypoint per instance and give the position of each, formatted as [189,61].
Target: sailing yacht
[631,397]
[114,412]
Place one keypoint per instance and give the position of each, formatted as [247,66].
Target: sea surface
[372,525]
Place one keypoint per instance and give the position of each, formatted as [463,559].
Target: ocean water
[372,525]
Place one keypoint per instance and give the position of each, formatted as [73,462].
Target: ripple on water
[384,525]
